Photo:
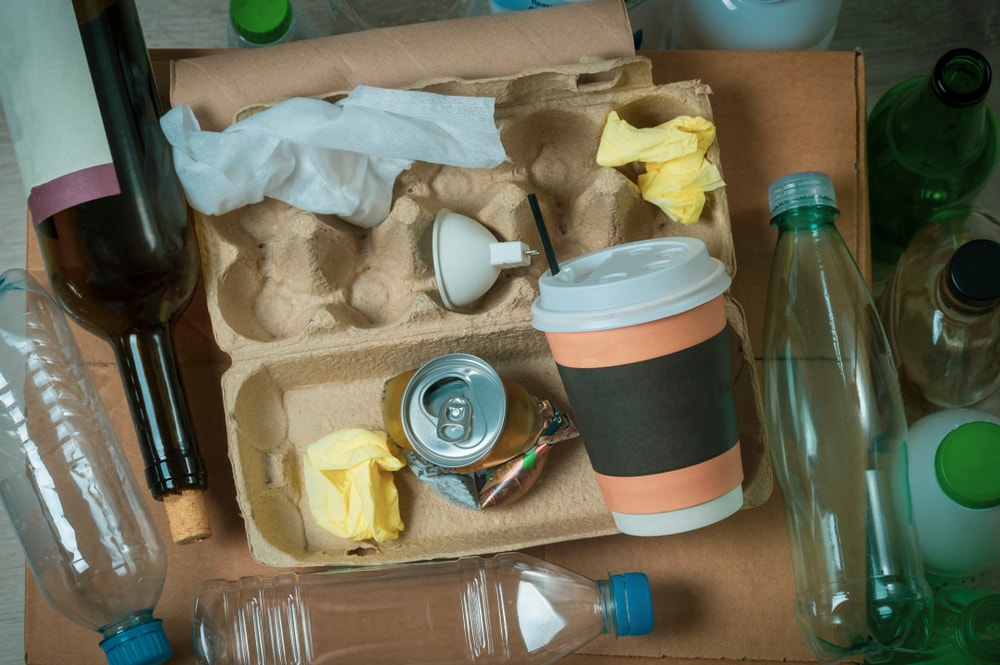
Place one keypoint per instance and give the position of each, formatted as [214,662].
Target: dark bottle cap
[962,77]
[974,274]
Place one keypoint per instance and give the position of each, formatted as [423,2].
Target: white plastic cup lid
[627,285]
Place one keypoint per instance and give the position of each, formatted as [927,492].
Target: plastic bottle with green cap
[955,490]
[941,312]
[837,433]
[255,23]
[966,630]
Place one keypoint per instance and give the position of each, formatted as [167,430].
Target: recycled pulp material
[723,593]
[219,86]
[317,314]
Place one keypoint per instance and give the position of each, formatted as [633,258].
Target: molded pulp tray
[316,314]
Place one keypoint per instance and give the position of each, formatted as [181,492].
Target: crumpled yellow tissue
[673,154]
[350,486]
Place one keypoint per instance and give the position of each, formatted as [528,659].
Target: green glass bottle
[837,434]
[966,631]
[932,142]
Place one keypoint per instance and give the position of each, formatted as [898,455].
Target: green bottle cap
[260,21]
[967,465]
[978,635]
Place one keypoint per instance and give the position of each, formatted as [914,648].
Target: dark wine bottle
[116,235]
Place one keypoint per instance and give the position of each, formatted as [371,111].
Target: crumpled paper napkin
[330,158]
[673,154]
[350,486]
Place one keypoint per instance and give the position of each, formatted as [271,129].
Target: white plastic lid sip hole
[468,258]
[628,284]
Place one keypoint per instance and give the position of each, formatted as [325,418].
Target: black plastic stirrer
[543,233]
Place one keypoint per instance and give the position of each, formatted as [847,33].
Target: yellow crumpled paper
[673,154]
[350,486]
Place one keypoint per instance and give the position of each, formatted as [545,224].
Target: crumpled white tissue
[330,158]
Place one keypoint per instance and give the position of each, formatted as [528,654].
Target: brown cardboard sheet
[722,593]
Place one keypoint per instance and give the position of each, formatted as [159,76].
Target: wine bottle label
[51,108]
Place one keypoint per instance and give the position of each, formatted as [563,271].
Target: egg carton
[316,314]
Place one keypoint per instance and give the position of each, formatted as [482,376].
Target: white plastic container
[955,488]
[756,25]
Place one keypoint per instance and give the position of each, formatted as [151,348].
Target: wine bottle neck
[156,397]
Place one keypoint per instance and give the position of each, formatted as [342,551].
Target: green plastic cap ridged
[967,465]
[260,21]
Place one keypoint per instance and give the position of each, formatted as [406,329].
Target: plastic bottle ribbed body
[933,141]
[509,609]
[837,434]
[64,480]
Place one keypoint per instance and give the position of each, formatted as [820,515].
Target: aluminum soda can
[457,412]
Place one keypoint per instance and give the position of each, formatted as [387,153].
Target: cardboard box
[723,592]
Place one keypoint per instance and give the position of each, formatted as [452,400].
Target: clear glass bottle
[71,496]
[837,434]
[941,312]
[933,141]
[966,630]
[110,215]
[754,24]
[508,609]
[955,488]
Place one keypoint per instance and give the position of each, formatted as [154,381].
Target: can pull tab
[455,420]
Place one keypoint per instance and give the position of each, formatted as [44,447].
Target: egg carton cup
[316,314]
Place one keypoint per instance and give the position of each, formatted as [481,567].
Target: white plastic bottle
[508,609]
[955,491]
[755,25]
[72,499]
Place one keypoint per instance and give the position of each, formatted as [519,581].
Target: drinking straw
[550,254]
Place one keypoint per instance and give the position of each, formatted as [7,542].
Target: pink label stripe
[93,182]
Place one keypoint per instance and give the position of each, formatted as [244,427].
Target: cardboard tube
[217,87]
[187,516]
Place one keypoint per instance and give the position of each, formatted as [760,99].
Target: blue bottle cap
[142,644]
[633,604]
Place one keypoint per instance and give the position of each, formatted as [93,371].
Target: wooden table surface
[900,39]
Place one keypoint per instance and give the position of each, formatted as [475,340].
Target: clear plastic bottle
[955,487]
[511,608]
[72,499]
[941,312]
[837,433]
[966,630]
[933,141]
[754,24]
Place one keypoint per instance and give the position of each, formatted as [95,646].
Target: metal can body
[456,412]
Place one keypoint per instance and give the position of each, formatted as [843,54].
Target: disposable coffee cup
[638,332]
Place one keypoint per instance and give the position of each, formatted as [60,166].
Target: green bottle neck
[804,218]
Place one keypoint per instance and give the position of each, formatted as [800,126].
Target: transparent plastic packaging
[508,609]
[64,481]
[941,312]
[837,432]
[966,630]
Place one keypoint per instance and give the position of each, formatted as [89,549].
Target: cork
[187,516]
